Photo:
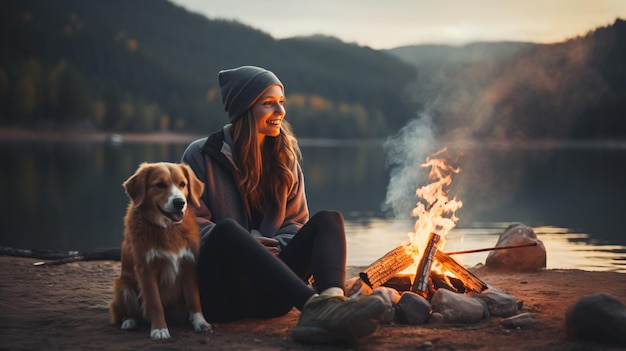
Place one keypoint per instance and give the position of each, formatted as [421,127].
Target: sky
[393,23]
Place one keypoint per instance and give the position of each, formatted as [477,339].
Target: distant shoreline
[22,134]
[88,135]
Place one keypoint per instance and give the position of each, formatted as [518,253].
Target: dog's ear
[135,186]
[196,187]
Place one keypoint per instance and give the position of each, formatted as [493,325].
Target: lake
[68,195]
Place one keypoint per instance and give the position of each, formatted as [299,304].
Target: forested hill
[147,65]
[516,91]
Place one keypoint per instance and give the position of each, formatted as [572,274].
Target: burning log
[441,281]
[434,216]
[383,269]
[420,284]
[469,280]
[386,268]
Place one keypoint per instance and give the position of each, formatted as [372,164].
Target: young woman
[261,254]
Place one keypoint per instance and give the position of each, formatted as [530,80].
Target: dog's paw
[199,323]
[159,334]
[129,324]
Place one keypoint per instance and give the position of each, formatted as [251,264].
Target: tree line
[149,65]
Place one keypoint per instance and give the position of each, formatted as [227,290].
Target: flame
[435,213]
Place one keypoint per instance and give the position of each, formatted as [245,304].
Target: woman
[261,255]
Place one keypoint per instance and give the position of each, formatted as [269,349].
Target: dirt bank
[65,308]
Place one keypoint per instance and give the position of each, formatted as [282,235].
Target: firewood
[420,284]
[400,282]
[386,268]
[442,281]
[470,281]
[383,269]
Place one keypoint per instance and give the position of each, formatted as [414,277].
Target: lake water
[68,195]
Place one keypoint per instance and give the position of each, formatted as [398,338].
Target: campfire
[421,267]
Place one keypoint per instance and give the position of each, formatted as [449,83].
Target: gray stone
[391,297]
[457,308]
[520,259]
[428,345]
[435,319]
[413,308]
[500,304]
[599,317]
[521,320]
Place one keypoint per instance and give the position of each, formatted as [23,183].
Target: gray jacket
[211,159]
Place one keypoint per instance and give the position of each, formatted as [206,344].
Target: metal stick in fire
[491,249]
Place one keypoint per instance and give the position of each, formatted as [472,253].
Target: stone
[457,308]
[413,308]
[391,297]
[435,319]
[428,345]
[524,259]
[599,317]
[521,320]
[499,304]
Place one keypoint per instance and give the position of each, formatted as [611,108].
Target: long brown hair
[266,172]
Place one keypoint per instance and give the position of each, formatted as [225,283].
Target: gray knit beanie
[242,86]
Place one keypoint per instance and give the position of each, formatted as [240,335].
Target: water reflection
[69,196]
[370,240]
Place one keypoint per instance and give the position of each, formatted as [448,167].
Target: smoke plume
[405,153]
[488,108]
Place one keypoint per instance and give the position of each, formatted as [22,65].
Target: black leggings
[239,278]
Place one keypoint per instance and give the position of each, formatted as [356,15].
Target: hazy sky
[387,24]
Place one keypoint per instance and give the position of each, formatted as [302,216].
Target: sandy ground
[65,308]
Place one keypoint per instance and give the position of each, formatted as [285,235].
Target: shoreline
[87,135]
[90,135]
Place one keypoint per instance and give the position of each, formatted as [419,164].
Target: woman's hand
[270,244]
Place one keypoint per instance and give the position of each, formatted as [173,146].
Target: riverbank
[65,308]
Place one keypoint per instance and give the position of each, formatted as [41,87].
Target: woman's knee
[330,224]
[225,233]
[328,216]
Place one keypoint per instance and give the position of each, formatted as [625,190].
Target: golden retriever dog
[160,248]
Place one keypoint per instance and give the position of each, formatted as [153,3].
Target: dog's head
[161,191]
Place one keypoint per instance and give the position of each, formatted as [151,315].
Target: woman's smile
[269,111]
